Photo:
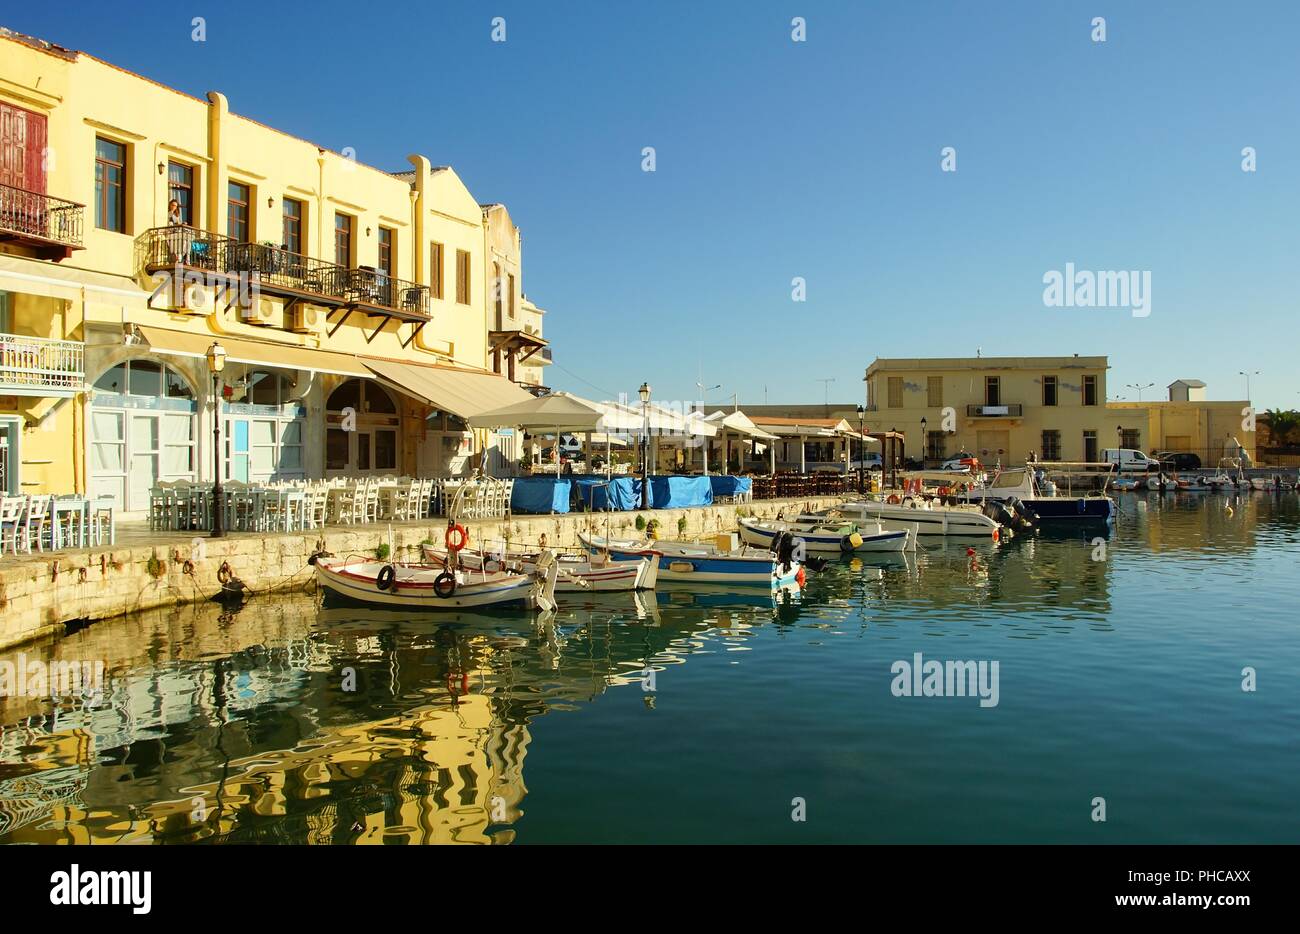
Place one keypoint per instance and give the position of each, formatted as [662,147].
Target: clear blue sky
[820,159]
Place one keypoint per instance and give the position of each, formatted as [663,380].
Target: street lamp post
[216,357]
[1248,375]
[1139,388]
[925,440]
[862,451]
[644,392]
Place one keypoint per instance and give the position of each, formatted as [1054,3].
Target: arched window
[366,440]
[144,377]
[267,388]
[142,431]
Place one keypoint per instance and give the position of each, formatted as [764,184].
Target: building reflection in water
[285,722]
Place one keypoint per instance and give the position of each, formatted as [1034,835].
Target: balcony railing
[1006,410]
[545,356]
[41,366]
[48,223]
[280,271]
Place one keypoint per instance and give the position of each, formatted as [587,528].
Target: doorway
[362,433]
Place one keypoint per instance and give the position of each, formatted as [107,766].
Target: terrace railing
[32,214]
[281,270]
[38,365]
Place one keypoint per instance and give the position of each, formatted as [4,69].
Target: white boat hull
[941,520]
[691,561]
[413,586]
[576,575]
[817,538]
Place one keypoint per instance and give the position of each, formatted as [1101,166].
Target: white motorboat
[1227,476]
[1162,483]
[1044,500]
[430,587]
[826,536]
[578,573]
[914,513]
[704,562]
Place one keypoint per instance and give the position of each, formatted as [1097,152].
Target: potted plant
[652,529]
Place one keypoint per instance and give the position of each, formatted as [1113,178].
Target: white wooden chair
[371,502]
[11,517]
[36,523]
[318,498]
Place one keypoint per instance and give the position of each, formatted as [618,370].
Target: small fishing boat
[578,573]
[907,513]
[1162,483]
[1127,484]
[825,536]
[1195,484]
[1227,476]
[1272,483]
[704,562]
[435,587]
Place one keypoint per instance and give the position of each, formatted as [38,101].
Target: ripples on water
[700,717]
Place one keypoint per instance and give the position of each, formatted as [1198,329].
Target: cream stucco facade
[304,263]
[1003,409]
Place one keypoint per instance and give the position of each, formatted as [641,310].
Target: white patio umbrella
[556,412]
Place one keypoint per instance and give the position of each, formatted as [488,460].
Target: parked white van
[1129,459]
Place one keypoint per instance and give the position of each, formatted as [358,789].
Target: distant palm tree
[1282,425]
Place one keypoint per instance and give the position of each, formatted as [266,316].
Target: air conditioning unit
[195,300]
[307,319]
[263,312]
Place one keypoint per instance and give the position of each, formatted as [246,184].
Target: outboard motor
[1026,518]
[999,513]
[783,548]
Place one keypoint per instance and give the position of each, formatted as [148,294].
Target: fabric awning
[241,350]
[465,393]
[558,410]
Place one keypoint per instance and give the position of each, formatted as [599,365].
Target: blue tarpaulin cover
[624,493]
[674,492]
[540,494]
[730,486]
[621,493]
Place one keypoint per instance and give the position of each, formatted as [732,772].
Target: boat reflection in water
[287,722]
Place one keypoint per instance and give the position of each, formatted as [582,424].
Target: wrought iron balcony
[49,226]
[40,366]
[278,271]
[1006,410]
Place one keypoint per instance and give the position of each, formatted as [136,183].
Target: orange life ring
[893,499]
[461,538]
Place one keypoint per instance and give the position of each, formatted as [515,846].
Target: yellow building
[1002,409]
[365,314]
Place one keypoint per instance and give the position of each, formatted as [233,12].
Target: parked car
[871,460]
[1178,460]
[1129,460]
[963,460]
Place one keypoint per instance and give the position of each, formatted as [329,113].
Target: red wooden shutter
[36,153]
[22,148]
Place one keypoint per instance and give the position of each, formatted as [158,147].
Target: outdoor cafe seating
[54,522]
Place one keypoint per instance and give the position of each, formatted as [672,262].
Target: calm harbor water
[1118,678]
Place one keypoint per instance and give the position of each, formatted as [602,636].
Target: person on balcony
[179,240]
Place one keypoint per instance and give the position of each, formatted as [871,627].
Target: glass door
[143,475]
[108,454]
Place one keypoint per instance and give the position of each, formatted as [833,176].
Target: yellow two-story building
[1008,409]
[364,314]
